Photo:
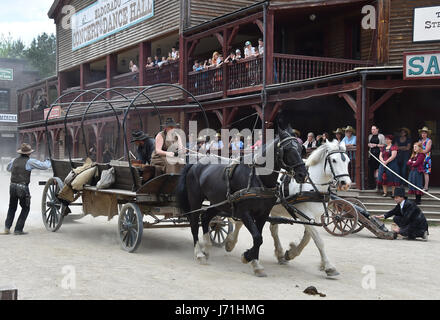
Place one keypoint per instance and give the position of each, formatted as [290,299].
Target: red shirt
[386,154]
[416,163]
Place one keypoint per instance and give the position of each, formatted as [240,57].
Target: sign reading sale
[421,65]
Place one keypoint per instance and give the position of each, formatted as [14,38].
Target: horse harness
[289,201]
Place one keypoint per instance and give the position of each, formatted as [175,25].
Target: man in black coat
[410,220]
[145,146]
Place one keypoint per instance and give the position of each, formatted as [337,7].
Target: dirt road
[83,261]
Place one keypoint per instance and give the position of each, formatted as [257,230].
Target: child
[415,163]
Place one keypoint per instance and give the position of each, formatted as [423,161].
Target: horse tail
[181,189]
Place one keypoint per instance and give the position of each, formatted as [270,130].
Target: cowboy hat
[425,129]
[138,136]
[408,132]
[339,130]
[349,128]
[170,123]
[297,132]
[25,149]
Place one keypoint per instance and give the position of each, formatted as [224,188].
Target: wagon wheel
[342,218]
[52,209]
[130,227]
[358,203]
[219,228]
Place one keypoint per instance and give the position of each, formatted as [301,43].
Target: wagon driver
[168,146]
[21,169]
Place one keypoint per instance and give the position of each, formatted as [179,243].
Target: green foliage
[41,53]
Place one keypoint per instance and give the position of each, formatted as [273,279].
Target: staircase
[378,205]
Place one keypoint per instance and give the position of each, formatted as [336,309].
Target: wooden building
[326,64]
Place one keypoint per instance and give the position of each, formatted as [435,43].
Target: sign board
[54,114]
[107,17]
[6,74]
[8,135]
[421,65]
[8,118]
[426,24]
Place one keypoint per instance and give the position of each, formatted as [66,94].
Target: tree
[42,54]
[10,48]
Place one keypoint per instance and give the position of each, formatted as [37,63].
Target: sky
[25,19]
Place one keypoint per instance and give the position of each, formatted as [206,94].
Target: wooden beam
[232,35]
[219,115]
[397,84]
[219,38]
[349,99]
[259,110]
[275,110]
[232,115]
[387,95]
[269,47]
[193,46]
[383,26]
[260,25]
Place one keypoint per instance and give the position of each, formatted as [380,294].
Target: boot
[418,199]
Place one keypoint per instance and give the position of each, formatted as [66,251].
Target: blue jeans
[18,193]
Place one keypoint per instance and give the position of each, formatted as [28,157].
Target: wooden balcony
[247,75]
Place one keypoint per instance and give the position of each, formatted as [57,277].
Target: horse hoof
[229,246]
[282,261]
[260,273]
[332,273]
[243,259]
[202,260]
[287,256]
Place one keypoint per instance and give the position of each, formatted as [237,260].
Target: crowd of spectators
[156,61]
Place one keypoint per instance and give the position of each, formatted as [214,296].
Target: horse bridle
[280,153]
[328,160]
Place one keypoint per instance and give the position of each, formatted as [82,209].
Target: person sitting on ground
[409,219]
[145,146]
[133,67]
[415,163]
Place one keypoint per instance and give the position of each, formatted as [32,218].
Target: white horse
[326,164]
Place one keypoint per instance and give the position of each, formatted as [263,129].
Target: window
[4,100]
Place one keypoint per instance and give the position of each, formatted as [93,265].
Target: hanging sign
[107,17]
[421,65]
[426,24]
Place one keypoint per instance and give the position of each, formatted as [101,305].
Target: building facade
[13,74]
[325,65]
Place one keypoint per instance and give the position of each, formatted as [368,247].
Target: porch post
[360,141]
[269,46]
[144,53]
[61,83]
[183,63]
[84,77]
[383,25]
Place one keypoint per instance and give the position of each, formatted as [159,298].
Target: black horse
[200,182]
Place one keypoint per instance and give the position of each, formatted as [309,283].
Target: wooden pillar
[269,46]
[62,83]
[144,53]
[183,61]
[111,70]
[225,65]
[360,143]
[84,75]
[383,24]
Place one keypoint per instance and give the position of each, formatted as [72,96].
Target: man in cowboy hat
[338,134]
[409,219]
[145,146]
[21,169]
[167,147]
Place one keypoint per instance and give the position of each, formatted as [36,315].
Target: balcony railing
[294,67]
[245,73]
[167,73]
[206,81]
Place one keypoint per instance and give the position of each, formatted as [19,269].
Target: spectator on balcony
[230,58]
[215,59]
[163,62]
[174,54]
[310,142]
[249,50]
[403,154]
[42,103]
[156,60]
[338,134]
[220,60]
[388,156]
[320,140]
[260,47]
[259,143]
[133,67]
[197,66]
[150,63]
[350,138]
[238,55]
[237,144]
[207,64]
[298,135]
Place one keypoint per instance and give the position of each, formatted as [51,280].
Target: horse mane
[317,155]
